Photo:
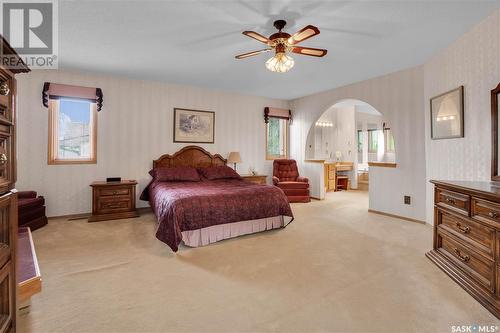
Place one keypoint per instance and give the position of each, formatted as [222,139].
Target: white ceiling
[194,42]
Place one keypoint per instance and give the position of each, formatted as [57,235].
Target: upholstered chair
[31,210]
[286,177]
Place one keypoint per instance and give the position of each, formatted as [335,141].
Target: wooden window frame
[52,156]
[286,143]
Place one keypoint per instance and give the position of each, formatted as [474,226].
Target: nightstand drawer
[257,179]
[114,191]
[114,204]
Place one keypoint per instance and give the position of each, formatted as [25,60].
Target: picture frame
[447,115]
[194,126]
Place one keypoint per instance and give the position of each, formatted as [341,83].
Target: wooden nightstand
[257,179]
[113,200]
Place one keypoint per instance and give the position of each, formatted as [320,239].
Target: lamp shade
[234,157]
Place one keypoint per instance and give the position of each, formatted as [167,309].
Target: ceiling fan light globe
[280,63]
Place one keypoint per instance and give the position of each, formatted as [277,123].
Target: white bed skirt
[215,233]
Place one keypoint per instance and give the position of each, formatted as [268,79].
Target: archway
[349,137]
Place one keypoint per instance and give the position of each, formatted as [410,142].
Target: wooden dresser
[467,237]
[257,179]
[113,200]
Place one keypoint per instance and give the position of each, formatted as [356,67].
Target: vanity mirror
[495,147]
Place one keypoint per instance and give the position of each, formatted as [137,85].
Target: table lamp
[234,157]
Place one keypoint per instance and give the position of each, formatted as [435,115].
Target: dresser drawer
[478,267]
[477,235]
[114,204]
[486,211]
[457,202]
[115,190]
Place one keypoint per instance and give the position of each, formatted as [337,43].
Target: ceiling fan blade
[254,35]
[303,34]
[309,51]
[250,54]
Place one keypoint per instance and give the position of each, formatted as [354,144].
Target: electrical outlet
[407,200]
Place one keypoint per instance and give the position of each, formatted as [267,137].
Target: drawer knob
[450,201]
[493,215]
[3,159]
[114,192]
[465,229]
[4,88]
[464,258]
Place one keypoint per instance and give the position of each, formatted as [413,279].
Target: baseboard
[80,216]
[396,216]
[83,216]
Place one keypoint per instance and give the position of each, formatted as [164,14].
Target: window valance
[57,91]
[277,113]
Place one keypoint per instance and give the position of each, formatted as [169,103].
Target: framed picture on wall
[447,115]
[194,126]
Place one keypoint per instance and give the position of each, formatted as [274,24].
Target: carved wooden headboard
[192,156]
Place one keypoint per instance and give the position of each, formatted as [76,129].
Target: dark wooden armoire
[8,196]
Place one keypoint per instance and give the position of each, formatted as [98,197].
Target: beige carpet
[336,268]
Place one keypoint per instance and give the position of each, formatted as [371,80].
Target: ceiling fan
[284,43]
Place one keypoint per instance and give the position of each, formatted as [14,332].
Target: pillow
[178,174]
[220,172]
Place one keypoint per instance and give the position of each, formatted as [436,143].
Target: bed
[202,212]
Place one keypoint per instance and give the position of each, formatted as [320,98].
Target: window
[276,138]
[360,141]
[72,131]
[372,140]
[389,142]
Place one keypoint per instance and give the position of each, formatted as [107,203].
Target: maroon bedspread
[181,206]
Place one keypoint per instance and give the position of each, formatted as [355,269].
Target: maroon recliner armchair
[286,177]
[31,210]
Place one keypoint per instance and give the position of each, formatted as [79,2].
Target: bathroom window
[360,141]
[372,140]
[389,142]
